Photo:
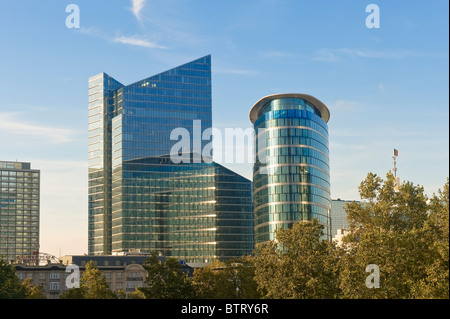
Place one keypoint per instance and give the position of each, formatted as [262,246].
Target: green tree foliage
[233,279]
[166,280]
[387,230]
[73,293]
[136,294]
[33,291]
[10,285]
[213,282]
[298,265]
[12,288]
[436,284]
[242,272]
[92,286]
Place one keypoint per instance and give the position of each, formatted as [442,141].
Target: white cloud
[136,8]
[276,54]
[11,125]
[92,31]
[136,41]
[327,55]
[234,71]
[334,55]
[166,23]
[129,40]
[342,105]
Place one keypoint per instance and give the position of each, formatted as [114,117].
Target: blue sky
[386,87]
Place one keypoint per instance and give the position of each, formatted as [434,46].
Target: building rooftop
[255,110]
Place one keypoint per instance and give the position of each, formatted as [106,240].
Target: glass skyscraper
[19,210]
[291,174]
[139,199]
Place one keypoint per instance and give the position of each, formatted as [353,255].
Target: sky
[386,86]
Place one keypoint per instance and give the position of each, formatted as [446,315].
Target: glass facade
[102,90]
[19,210]
[139,200]
[339,215]
[291,175]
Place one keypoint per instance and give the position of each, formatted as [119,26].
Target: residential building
[123,273]
[291,174]
[19,210]
[51,277]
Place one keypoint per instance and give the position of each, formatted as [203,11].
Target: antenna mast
[395,162]
[397,181]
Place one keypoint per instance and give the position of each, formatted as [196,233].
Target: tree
[93,282]
[73,293]
[299,264]
[242,272]
[10,285]
[136,294]
[232,279]
[166,280]
[32,291]
[386,230]
[92,286]
[436,284]
[213,282]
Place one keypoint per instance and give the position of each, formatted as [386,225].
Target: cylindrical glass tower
[291,175]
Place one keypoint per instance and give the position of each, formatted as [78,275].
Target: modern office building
[339,215]
[142,200]
[19,210]
[291,174]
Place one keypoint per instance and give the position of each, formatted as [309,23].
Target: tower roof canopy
[256,109]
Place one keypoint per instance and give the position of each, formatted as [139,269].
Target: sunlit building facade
[291,174]
[19,211]
[141,200]
[339,215]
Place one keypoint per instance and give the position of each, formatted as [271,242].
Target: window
[54,286]
[54,275]
[134,284]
